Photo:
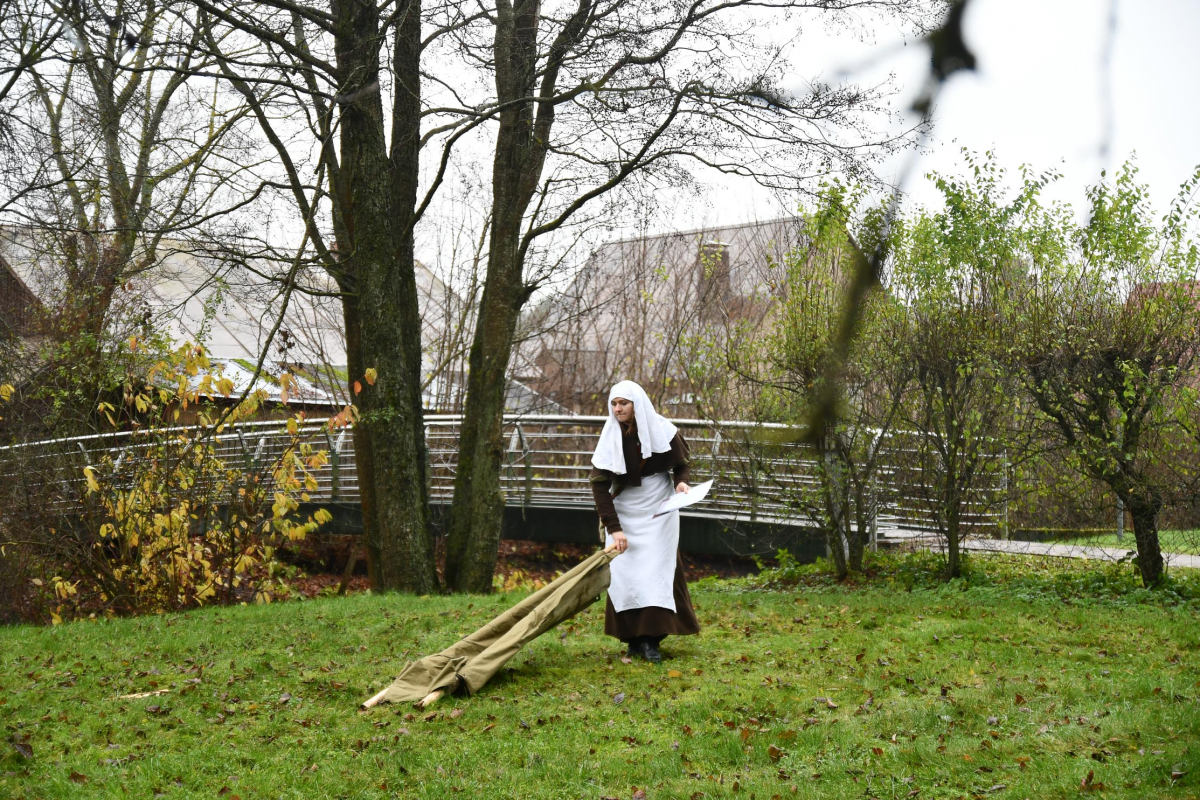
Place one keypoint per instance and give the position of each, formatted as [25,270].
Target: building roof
[192,296]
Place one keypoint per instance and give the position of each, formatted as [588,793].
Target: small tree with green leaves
[953,269]
[793,359]
[1107,352]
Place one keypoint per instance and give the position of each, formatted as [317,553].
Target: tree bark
[476,517]
[377,199]
[1144,511]
[363,465]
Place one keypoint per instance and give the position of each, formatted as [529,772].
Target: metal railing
[763,473]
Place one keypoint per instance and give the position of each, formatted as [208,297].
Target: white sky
[1035,99]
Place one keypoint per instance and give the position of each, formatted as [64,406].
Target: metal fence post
[873,495]
[335,468]
[527,457]
[1004,534]
[249,464]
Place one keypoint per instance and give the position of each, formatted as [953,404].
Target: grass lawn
[811,691]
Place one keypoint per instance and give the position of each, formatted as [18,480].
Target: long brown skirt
[653,620]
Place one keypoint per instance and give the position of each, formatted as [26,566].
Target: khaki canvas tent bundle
[471,662]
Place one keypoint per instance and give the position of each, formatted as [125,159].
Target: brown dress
[651,622]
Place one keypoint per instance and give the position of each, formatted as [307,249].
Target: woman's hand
[681,487]
[619,541]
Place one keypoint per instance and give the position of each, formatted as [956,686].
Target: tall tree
[594,94]
[115,154]
[325,71]
[872,381]
[954,269]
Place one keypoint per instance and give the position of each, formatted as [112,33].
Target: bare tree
[659,309]
[595,95]
[123,155]
[315,77]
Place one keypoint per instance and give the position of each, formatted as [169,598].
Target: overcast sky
[1036,97]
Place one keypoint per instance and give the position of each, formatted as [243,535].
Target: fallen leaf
[1019,700]
[638,794]
[456,713]
[285,697]
[77,777]
[877,751]
[619,698]
[774,752]
[674,673]
[1087,785]
[22,746]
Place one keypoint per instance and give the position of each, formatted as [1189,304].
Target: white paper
[683,499]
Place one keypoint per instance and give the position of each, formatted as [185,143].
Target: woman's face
[622,409]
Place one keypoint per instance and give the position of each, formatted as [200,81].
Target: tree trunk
[837,551]
[363,465]
[861,531]
[838,525]
[377,199]
[953,551]
[477,514]
[476,517]
[1144,511]
[953,536]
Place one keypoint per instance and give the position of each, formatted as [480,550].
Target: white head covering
[654,431]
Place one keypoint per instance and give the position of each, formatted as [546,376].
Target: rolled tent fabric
[471,662]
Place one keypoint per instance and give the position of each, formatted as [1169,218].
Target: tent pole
[374,701]
[431,698]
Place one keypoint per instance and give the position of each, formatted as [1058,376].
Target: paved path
[1048,549]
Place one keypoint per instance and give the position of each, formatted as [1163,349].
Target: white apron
[644,575]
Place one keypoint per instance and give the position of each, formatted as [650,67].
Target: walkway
[1052,550]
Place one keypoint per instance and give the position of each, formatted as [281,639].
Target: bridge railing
[764,473]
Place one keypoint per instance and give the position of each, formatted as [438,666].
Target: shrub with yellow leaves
[165,522]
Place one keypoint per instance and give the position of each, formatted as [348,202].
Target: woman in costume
[640,461]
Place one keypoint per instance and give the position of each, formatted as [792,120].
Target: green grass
[968,690]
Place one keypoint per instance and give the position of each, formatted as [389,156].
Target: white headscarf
[654,431]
